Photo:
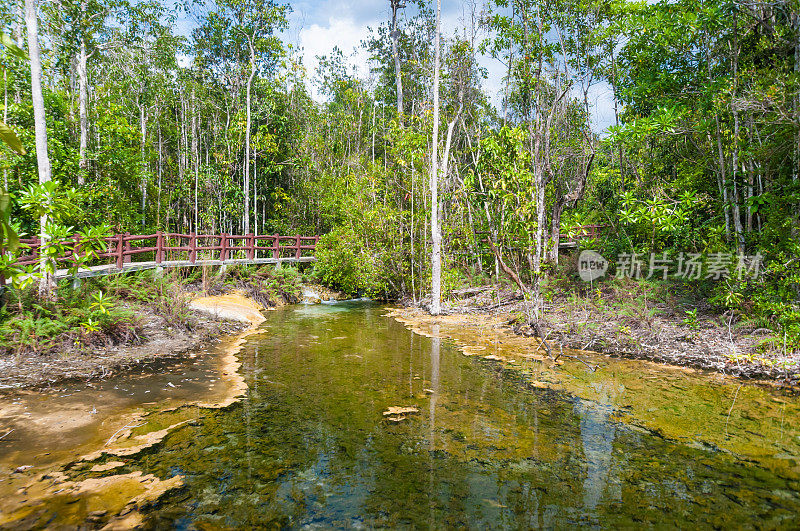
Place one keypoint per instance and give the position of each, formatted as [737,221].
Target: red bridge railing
[171,246]
[584,232]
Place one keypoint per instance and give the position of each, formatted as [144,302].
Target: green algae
[491,447]
[508,441]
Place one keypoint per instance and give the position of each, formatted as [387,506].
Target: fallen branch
[126,427]
[561,353]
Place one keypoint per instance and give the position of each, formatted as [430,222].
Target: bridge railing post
[298,249]
[193,247]
[126,257]
[120,251]
[250,249]
[159,247]
[276,246]
[223,247]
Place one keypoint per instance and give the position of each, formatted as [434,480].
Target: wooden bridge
[583,232]
[126,252]
[567,241]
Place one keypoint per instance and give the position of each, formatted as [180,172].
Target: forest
[493,264]
[418,181]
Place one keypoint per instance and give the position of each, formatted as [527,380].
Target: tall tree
[396,5]
[237,40]
[40,125]
[436,233]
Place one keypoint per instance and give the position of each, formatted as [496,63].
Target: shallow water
[310,446]
[50,425]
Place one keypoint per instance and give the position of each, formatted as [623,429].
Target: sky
[316,26]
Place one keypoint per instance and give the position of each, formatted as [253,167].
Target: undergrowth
[103,311]
[29,325]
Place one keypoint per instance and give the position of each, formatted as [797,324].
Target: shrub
[341,263]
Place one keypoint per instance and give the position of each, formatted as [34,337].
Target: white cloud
[317,40]
[601,107]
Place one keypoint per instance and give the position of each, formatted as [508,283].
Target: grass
[103,311]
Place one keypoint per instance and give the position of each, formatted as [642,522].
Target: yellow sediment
[115,502]
[233,306]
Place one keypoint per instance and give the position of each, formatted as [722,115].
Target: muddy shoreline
[663,337]
[71,483]
[163,341]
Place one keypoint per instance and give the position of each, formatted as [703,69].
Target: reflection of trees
[310,445]
[597,435]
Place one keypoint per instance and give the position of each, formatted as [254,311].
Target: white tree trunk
[246,220]
[83,95]
[436,234]
[40,127]
[142,145]
[395,51]
[5,118]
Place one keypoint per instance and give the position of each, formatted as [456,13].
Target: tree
[436,233]
[396,4]
[240,34]
[46,285]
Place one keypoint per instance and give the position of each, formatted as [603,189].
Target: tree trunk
[83,94]
[396,53]
[143,141]
[436,234]
[796,150]
[737,217]
[555,232]
[246,219]
[5,120]
[46,285]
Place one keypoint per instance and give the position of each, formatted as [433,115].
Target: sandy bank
[36,487]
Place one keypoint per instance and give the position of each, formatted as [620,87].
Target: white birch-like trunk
[436,234]
[246,220]
[142,143]
[395,52]
[83,109]
[40,127]
[5,118]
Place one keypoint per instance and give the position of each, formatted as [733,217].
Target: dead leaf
[401,410]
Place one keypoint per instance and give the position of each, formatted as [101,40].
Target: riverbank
[62,444]
[625,323]
[133,322]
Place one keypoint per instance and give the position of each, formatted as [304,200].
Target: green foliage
[162,294]
[691,319]
[342,263]
[81,317]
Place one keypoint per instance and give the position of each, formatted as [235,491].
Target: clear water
[310,446]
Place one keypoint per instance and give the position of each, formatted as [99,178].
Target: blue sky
[316,26]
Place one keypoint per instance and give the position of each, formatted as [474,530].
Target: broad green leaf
[12,47]
[9,137]
[9,239]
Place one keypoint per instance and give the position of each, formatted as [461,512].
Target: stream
[482,443]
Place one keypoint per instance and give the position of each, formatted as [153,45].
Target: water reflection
[311,447]
[597,435]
